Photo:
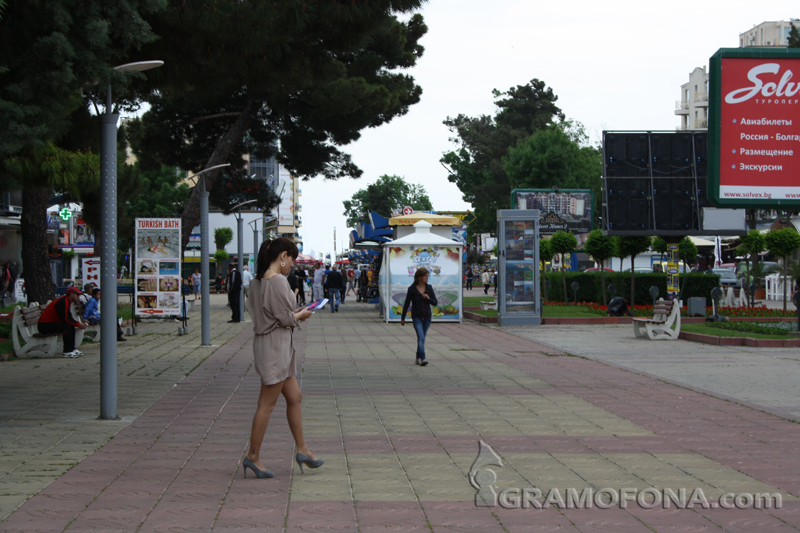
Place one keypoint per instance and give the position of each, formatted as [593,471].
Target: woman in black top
[420,297]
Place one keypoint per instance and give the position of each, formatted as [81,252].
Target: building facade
[774,34]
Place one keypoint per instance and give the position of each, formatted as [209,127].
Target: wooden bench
[665,324]
[25,329]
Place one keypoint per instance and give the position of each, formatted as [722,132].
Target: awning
[697,241]
[435,220]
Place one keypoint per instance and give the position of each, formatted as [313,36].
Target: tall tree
[557,155]
[387,195]
[55,55]
[476,166]
[302,78]
[42,169]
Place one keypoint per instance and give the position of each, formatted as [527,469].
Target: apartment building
[773,34]
[692,108]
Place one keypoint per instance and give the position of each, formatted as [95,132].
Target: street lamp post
[240,246]
[108,249]
[205,287]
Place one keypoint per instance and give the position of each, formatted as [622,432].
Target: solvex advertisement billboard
[754,128]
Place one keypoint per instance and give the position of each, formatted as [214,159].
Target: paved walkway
[399,440]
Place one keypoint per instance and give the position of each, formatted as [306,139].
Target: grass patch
[567,311]
[125,311]
[718,332]
[475,301]
[488,312]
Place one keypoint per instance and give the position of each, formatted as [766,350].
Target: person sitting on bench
[618,307]
[92,315]
[56,318]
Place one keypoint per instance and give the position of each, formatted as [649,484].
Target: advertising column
[158,266]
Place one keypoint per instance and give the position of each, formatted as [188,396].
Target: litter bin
[697,306]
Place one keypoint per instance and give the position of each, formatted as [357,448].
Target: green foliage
[563,242]
[474,257]
[591,285]
[782,242]
[387,195]
[46,165]
[53,53]
[221,256]
[222,237]
[660,246]
[68,255]
[556,155]
[237,187]
[545,250]
[476,165]
[633,246]
[794,37]
[600,248]
[750,327]
[753,243]
[687,251]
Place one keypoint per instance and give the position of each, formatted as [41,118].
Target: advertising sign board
[562,210]
[158,266]
[754,128]
[91,271]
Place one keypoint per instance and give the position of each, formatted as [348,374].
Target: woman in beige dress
[273,308]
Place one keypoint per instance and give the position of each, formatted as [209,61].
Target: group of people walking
[487,278]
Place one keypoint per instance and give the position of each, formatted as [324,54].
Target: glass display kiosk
[518,288]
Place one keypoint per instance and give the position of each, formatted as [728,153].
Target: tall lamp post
[205,287]
[108,249]
[240,246]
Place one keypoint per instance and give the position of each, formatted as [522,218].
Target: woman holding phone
[273,306]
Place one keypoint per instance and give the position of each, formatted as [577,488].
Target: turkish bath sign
[754,128]
[158,266]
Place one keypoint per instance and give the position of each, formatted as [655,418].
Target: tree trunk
[564,279]
[191,214]
[35,260]
[603,281]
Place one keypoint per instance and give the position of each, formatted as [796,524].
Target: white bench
[665,324]
[485,306]
[25,329]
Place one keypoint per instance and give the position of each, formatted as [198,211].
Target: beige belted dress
[272,306]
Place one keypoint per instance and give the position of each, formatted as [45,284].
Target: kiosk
[518,293]
[442,258]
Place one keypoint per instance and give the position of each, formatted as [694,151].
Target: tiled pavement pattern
[399,441]
[764,378]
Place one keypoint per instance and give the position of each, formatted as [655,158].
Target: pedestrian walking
[420,297]
[302,277]
[247,277]
[319,280]
[351,278]
[486,279]
[494,280]
[470,277]
[273,308]
[334,284]
[234,290]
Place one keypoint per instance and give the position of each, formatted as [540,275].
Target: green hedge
[692,284]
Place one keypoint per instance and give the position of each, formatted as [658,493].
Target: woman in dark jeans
[420,297]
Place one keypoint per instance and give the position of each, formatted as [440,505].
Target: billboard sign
[754,128]
[563,210]
[158,266]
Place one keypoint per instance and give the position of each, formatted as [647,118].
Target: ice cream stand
[439,255]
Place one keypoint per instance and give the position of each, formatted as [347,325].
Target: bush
[693,284]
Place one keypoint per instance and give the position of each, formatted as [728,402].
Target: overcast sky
[614,65]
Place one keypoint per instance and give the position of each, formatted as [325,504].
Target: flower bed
[733,312]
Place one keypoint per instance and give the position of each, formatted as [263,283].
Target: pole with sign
[91,271]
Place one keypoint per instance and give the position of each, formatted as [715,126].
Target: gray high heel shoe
[303,459]
[261,474]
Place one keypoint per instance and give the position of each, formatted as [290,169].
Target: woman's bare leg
[294,414]
[267,399]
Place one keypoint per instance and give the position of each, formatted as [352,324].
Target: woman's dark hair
[269,252]
[419,274]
